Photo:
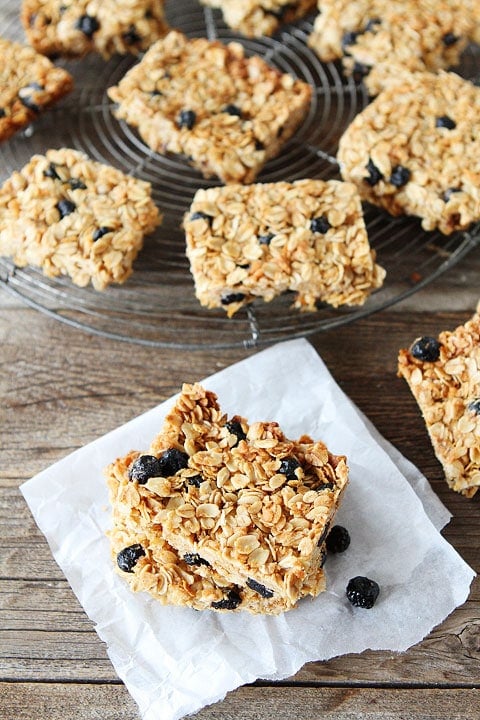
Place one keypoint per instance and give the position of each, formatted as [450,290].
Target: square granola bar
[149,563]
[73,28]
[227,113]
[380,41]
[261,240]
[73,216]
[444,377]
[255,18]
[29,84]
[252,503]
[415,150]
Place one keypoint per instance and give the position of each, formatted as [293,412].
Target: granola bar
[255,18]
[444,377]
[160,570]
[415,150]
[29,84]
[252,503]
[380,41]
[258,241]
[227,113]
[73,216]
[75,27]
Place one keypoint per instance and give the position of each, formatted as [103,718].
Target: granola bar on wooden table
[444,377]
[29,84]
[76,27]
[74,216]
[415,150]
[258,241]
[226,112]
[254,18]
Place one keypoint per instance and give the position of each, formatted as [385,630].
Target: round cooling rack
[157,305]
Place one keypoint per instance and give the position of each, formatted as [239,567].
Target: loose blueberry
[171,461]
[230,602]
[259,588]
[362,592]
[288,467]
[233,110]
[450,39]
[87,24]
[232,298]
[444,121]
[65,207]
[320,225]
[338,539]
[76,184]
[195,559]
[127,558]
[374,174]
[400,176]
[186,119]
[131,36]
[100,232]
[426,349]
[195,481]
[235,428]
[266,239]
[449,192]
[51,172]
[199,215]
[144,468]
[474,406]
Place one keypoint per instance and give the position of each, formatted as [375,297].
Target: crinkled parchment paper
[175,660]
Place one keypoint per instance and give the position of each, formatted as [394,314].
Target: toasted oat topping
[260,17]
[258,241]
[73,216]
[29,84]
[381,41]
[171,578]
[76,27]
[446,387]
[415,150]
[227,113]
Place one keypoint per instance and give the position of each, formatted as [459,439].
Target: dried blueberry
[25,96]
[266,239]
[349,38]
[235,428]
[230,602]
[371,25]
[374,174]
[400,176]
[449,192]
[171,461]
[65,207]
[450,39]
[230,298]
[144,468]
[100,232]
[259,588]
[338,539]
[195,481]
[186,119]
[359,71]
[320,225]
[51,172]
[362,592]
[76,184]
[127,558]
[233,110]
[474,406]
[131,36]
[426,349]
[199,215]
[87,24]
[325,486]
[444,121]
[288,467]
[195,559]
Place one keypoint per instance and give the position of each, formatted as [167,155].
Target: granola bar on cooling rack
[255,18]
[258,241]
[444,377]
[73,216]
[226,112]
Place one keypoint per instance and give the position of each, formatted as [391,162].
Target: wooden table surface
[61,388]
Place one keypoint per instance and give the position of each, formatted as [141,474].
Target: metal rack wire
[159,298]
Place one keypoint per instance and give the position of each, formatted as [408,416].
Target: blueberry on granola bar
[127,558]
[230,602]
[320,225]
[65,207]
[144,468]
[259,588]
[362,592]
[288,466]
[444,121]
[426,349]
[400,176]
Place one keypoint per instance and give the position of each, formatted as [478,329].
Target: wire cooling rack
[157,305]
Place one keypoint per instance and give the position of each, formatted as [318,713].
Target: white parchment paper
[175,660]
